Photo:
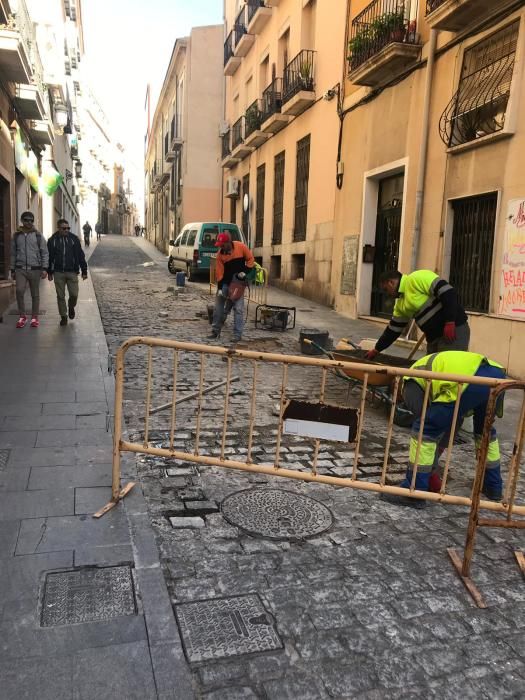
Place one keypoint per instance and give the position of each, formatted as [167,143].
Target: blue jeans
[223,306]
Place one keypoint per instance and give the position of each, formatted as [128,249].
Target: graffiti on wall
[512,289]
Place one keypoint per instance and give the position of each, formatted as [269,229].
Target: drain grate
[276,514]
[221,627]
[4,456]
[87,595]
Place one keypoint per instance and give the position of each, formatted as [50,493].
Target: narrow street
[367,606]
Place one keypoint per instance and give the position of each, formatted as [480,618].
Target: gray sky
[128,44]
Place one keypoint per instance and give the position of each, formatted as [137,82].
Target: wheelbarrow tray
[343,353]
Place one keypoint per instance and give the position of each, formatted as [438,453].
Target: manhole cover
[4,456]
[222,627]
[87,594]
[277,514]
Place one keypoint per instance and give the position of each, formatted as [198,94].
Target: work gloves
[241,276]
[371,354]
[449,331]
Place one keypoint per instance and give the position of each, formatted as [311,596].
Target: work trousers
[31,278]
[460,343]
[223,306]
[437,426]
[63,280]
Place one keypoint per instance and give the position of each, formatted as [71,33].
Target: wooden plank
[467,581]
[520,558]
[109,506]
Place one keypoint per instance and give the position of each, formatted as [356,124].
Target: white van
[195,245]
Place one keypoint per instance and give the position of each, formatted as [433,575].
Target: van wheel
[171,266]
[190,276]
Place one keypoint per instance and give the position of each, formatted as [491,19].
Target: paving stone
[349,680]
[19,678]
[187,522]
[204,507]
[294,686]
[232,693]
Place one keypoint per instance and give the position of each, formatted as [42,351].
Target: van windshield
[211,231]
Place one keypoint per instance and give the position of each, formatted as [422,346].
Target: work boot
[493,494]
[63,320]
[237,339]
[214,335]
[405,501]
[71,312]
[21,322]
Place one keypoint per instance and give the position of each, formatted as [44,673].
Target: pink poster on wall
[512,290]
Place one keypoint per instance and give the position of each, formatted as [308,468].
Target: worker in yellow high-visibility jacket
[433,304]
[439,417]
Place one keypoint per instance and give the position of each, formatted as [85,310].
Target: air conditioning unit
[232,187]
[224,127]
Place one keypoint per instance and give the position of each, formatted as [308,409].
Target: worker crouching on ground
[439,417]
[432,302]
[235,266]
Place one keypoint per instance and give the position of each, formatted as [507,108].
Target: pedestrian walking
[87,233]
[98,230]
[29,260]
[235,265]
[439,417]
[66,260]
[137,230]
[432,302]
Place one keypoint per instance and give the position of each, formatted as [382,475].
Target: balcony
[42,133]
[29,102]
[165,174]
[298,84]
[456,15]
[174,138]
[228,161]
[272,120]
[383,42]
[243,40]
[5,11]
[231,62]
[253,135]
[239,148]
[258,15]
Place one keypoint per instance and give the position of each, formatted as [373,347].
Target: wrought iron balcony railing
[272,99]
[252,119]
[225,144]
[382,23]
[253,6]
[433,5]
[299,74]
[238,133]
[239,27]
[228,48]
[176,127]
[21,21]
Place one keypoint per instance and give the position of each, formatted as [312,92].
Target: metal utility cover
[87,595]
[221,627]
[276,514]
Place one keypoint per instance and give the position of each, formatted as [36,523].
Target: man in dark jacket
[66,259]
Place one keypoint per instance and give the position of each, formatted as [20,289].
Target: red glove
[449,331]
[371,354]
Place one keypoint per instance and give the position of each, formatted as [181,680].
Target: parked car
[193,248]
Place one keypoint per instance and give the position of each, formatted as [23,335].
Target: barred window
[479,107]
[472,247]
[259,207]
[278,198]
[301,188]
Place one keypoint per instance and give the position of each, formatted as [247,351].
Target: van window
[177,241]
[184,238]
[192,237]
[209,236]
[233,230]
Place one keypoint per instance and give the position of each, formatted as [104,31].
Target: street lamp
[78,169]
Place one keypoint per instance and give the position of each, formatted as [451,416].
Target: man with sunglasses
[66,259]
[29,259]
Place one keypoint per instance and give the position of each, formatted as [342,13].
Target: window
[209,236]
[184,238]
[259,210]
[192,236]
[278,198]
[301,188]
[246,210]
[275,267]
[480,105]
[298,263]
[471,253]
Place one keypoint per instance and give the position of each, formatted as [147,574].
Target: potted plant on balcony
[359,47]
[305,76]
[394,23]
[253,119]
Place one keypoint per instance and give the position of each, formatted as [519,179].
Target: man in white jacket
[29,260]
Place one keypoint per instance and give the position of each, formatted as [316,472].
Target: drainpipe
[423,154]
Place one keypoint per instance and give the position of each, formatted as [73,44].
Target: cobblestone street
[369,605]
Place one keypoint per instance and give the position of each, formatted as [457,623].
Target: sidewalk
[99,631]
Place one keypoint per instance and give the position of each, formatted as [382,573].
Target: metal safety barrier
[257,291]
[244,367]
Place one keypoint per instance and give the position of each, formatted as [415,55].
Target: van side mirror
[172,242]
